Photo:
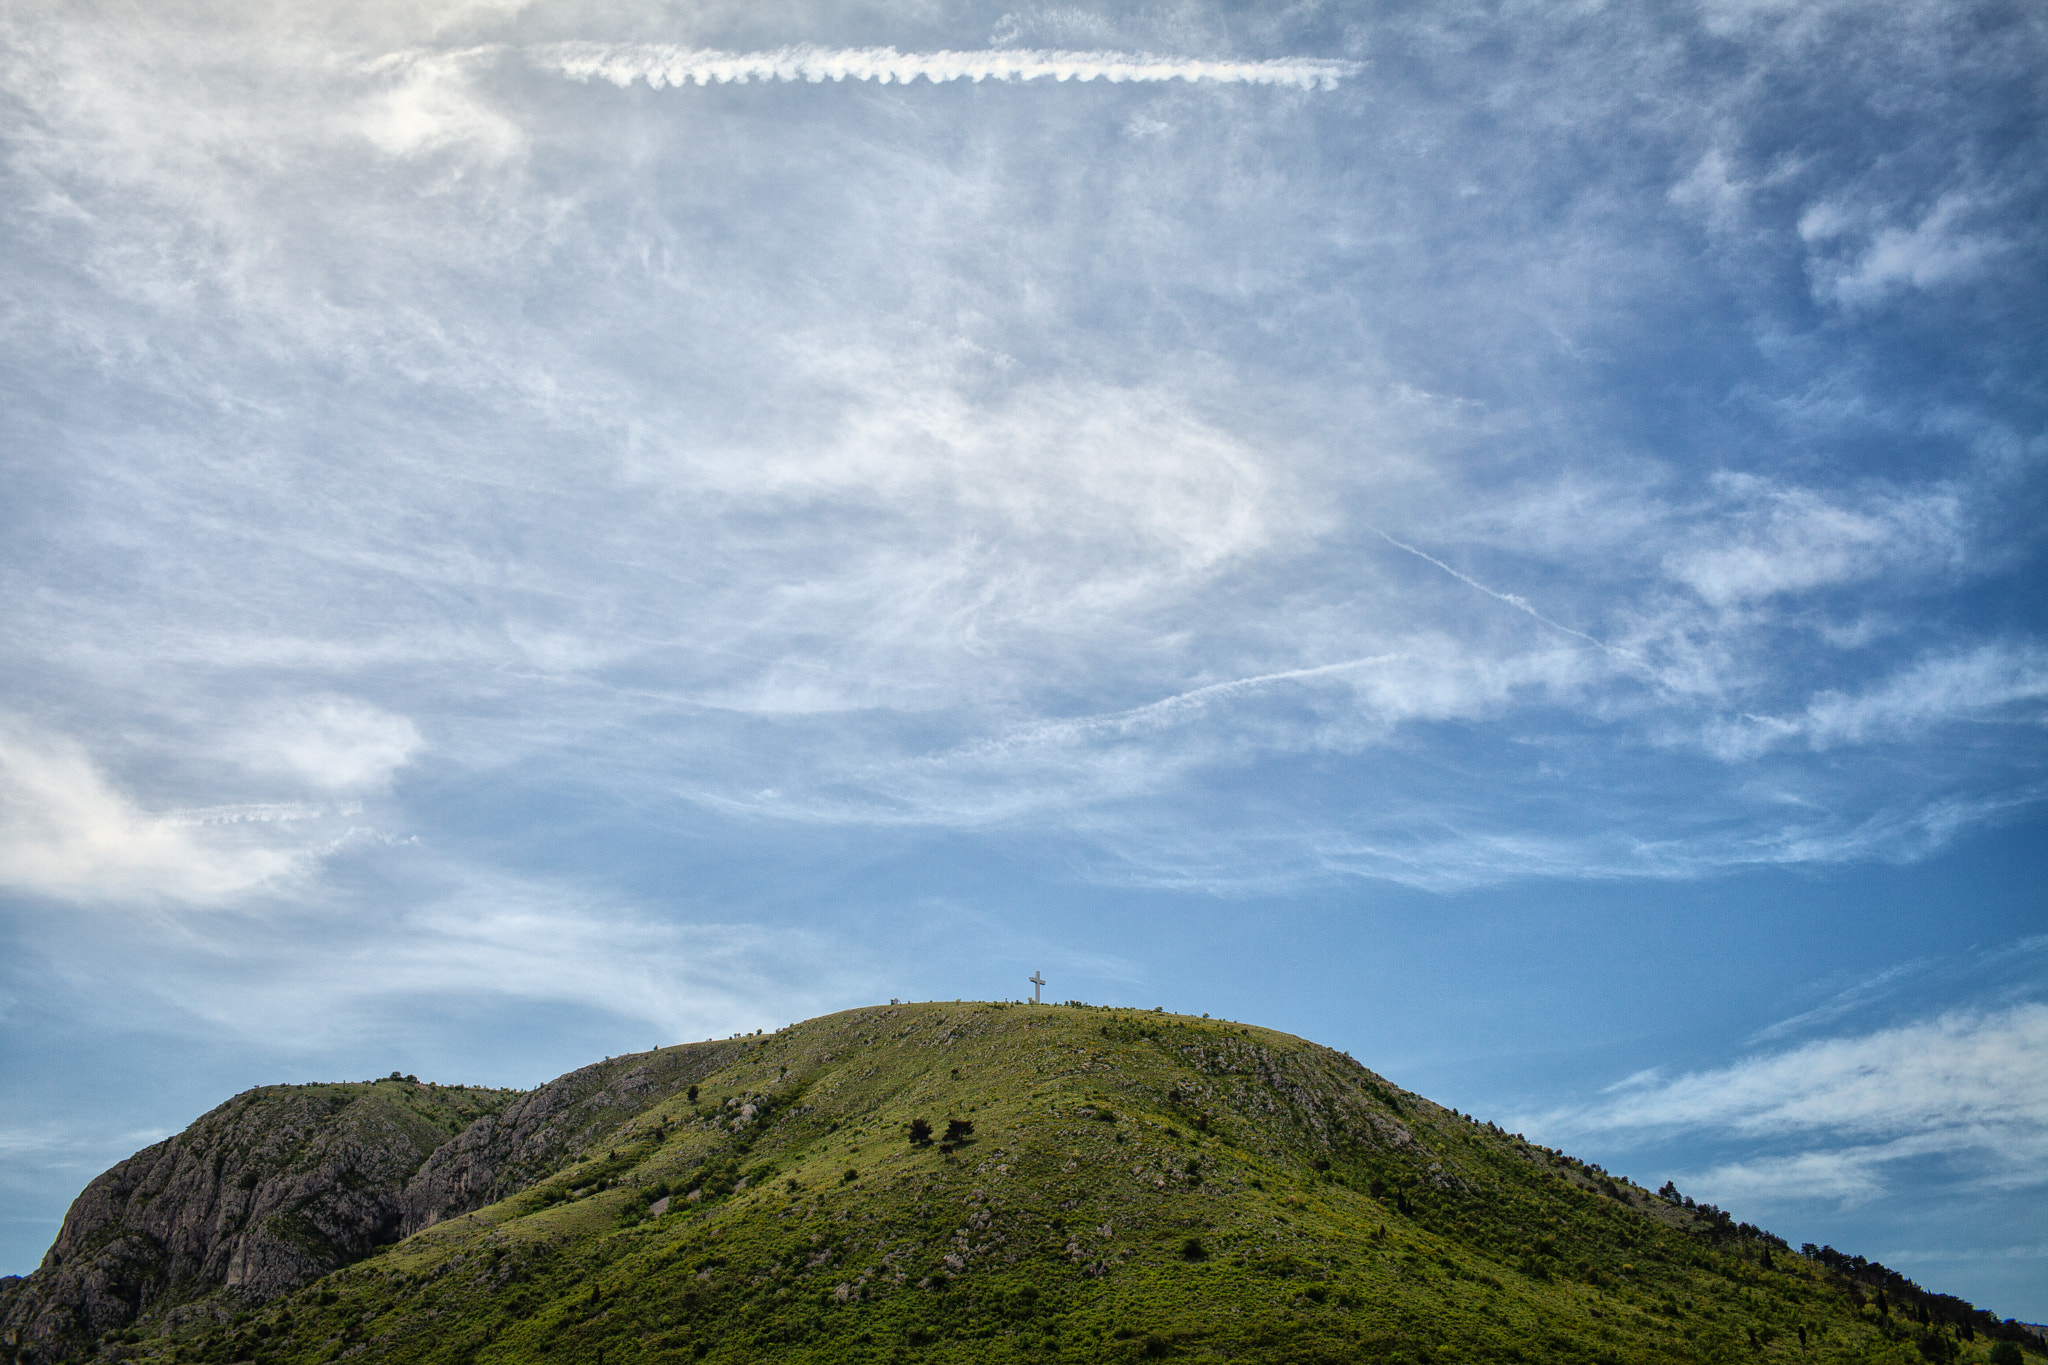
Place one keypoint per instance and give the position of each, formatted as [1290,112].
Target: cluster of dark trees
[1896,1294]
[1893,1291]
[957,1132]
[1721,1225]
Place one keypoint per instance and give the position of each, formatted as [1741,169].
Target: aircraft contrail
[662,64]
[1519,603]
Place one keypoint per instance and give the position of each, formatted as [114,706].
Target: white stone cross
[1037,980]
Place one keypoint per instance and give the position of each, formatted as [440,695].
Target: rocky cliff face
[282,1184]
[274,1188]
[545,1129]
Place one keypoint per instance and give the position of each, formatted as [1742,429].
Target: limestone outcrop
[274,1188]
[283,1184]
[545,1129]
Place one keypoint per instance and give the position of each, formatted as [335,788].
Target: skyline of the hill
[1508,539]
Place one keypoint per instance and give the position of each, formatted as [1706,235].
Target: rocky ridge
[272,1189]
[283,1184]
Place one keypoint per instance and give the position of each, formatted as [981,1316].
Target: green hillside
[1133,1185]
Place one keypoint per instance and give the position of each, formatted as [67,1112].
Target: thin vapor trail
[1157,714]
[661,64]
[1520,604]
[1196,696]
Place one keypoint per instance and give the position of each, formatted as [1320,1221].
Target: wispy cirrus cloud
[883,490]
[337,964]
[1858,263]
[46,1141]
[1968,1087]
[1026,497]
[1766,538]
[71,832]
[1989,683]
[331,743]
[1842,1002]
[525,944]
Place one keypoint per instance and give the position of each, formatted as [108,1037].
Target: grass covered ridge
[1134,1185]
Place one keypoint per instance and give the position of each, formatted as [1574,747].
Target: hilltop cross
[1037,980]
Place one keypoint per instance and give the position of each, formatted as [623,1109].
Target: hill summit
[930,1182]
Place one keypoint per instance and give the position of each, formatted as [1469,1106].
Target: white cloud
[1937,250]
[73,1146]
[1769,539]
[336,744]
[1970,1088]
[1710,188]
[941,525]
[1083,771]
[1843,1001]
[687,978]
[1960,1068]
[1057,455]
[1854,1176]
[69,833]
[428,104]
[1991,682]
[1063,24]
[1096,479]
[315,973]
[1985,1157]
[1975,685]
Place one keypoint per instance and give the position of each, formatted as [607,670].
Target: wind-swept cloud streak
[662,65]
[1966,1086]
[1958,1068]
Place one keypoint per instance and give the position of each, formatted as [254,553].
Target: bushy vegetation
[1110,1185]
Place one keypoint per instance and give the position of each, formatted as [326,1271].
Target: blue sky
[1502,538]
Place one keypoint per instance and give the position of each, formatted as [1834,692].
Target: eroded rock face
[283,1184]
[274,1188]
[545,1129]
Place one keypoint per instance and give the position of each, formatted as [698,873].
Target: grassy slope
[1196,1222]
